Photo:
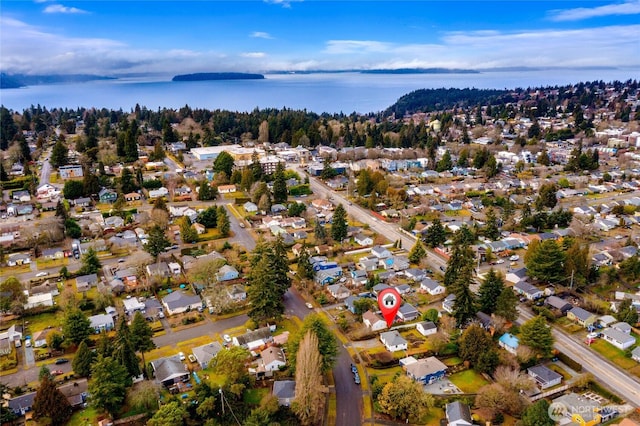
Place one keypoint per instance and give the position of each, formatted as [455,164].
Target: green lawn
[468,381]
[450,362]
[385,375]
[433,416]
[560,370]
[254,396]
[39,322]
[86,417]
[613,354]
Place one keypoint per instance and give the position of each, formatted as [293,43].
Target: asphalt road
[608,374]
[45,172]
[348,394]
[240,234]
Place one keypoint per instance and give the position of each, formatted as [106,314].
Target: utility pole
[571,285]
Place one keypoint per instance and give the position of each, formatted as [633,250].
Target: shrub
[570,362]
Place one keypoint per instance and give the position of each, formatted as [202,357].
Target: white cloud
[341,47]
[261,34]
[253,55]
[283,3]
[58,8]
[631,7]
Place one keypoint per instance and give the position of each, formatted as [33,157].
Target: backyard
[468,381]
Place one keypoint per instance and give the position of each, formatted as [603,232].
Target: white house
[374,321]
[338,291]
[618,338]
[393,341]
[44,299]
[178,302]
[101,322]
[272,359]
[458,414]
[431,286]
[426,328]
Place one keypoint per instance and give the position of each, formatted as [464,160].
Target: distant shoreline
[207,76]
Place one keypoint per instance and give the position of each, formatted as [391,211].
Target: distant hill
[205,76]
[12,81]
[420,71]
[425,100]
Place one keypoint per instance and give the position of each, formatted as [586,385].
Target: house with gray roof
[407,312]
[622,326]
[618,338]
[254,339]
[426,370]
[555,302]
[85,282]
[178,302]
[22,404]
[458,414]
[205,353]
[581,316]
[544,376]
[635,354]
[393,341]
[380,252]
[431,286]
[527,290]
[285,391]
[169,370]
[101,322]
[426,328]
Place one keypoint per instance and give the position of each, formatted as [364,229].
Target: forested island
[205,76]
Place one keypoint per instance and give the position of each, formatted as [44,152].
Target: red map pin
[389,301]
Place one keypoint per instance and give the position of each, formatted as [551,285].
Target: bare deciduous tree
[309,400]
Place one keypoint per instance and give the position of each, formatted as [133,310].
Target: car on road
[27,343]
[514,258]
[181,356]
[42,274]
[442,268]
[121,261]
[61,361]
[57,373]
[356,379]
[309,305]
[242,225]
[593,335]
[500,261]
[354,369]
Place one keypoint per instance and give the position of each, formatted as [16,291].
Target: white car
[593,335]
[42,274]
[227,338]
[181,355]
[500,261]
[514,258]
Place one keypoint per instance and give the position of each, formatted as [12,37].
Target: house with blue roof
[509,342]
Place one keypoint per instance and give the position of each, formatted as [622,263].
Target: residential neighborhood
[515,254]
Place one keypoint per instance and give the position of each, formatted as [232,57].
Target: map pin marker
[389,301]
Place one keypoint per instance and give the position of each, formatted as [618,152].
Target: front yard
[613,354]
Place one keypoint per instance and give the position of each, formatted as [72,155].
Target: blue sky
[117,37]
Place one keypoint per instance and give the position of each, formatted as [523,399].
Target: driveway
[29,357]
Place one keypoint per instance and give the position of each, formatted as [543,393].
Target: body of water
[332,93]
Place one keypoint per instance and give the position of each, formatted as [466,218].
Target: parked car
[242,225]
[356,379]
[354,369]
[42,274]
[309,305]
[61,361]
[514,258]
[500,261]
[227,338]
[57,373]
[181,356]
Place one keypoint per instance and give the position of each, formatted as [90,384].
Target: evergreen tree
[8,128]
[170,414]
[537,414]
[445,162]
[305,269]
[90,263]
[256,167]
[536,334]
[339,224]
[104,346]
[157,241]
[223,163]
[490,291]
[123,351]
[279,185]
[264,297]
[223,224]
[491,229]
[83,360]
[206,192]
[209,217]
[506,304]
[131,142]
[187,232]
[473,342]
[76,326]
[320,232]
[141,335]
[461,264]
[50,404]
[464,307]
[59,154]
[545,261]
[108,386]
[435,235]
[417,253]
[327,343]
[127,183]
[90,184]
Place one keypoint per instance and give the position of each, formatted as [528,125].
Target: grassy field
[254,396]
[88,416]
[468,381]
[41,321]
[569,325]
[450,362]
[385,375]
[614,354]
[433,416]
[560,370]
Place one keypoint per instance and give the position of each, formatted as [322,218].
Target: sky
[120,37]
